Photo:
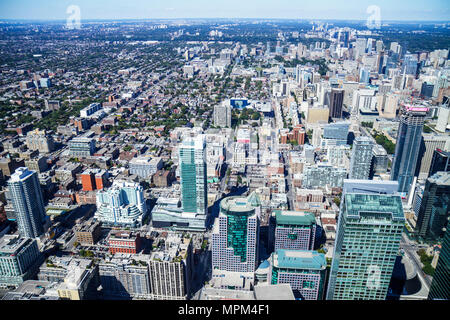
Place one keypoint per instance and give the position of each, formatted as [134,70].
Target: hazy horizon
[350,10]
[220,18]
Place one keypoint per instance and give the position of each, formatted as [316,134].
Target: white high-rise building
[361,158]
[443,118]
[27,202]
[122,204]
[222,115]
[364,101]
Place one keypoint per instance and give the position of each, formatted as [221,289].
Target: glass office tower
[435,207]
[439,162]
[368,237]
[235,235]
[336,102]
[440,288]
[408,146]
[193,175]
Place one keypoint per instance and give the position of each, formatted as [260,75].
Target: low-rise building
[305,271]
[145,166]
[77,278]
[124,242]
[163,178]
[88,233]
[81,147]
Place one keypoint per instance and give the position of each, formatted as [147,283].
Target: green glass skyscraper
[235,235]
[193,175]
[370,226]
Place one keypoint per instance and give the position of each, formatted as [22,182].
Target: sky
[409,10]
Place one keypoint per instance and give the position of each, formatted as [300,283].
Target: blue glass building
[408,146]
[337,131]
[434,211]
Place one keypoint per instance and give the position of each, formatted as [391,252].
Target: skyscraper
[235,237]
[364,75]
[439,162]
[171,268]
[28,203]
[410,63]
[368,237]
[430,142]
[295,230]
[336,102]
[440,289]
[443,118]
[427,90]
[380,60]
[222,115]
[361,158]
[194,186]
[408,146]
[435,207]
[360,46]
[380,160]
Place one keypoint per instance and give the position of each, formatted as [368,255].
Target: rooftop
[197,142]
[20,174]
[379,207]
[299,259]
[88,226]
[122,234]
[11,244]
[295,218]
[173,247]
[440,178]
[240,204]
[146,160]
[66,262]
[274,292]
